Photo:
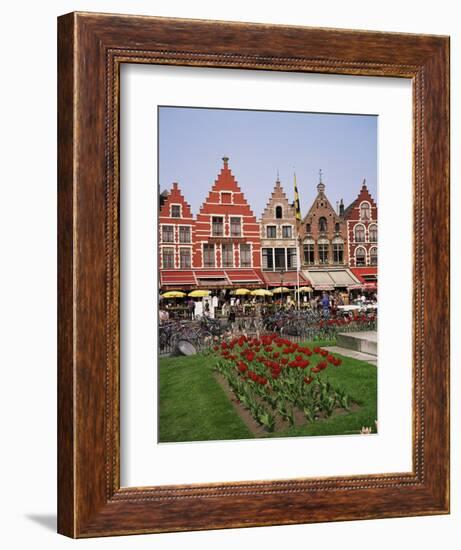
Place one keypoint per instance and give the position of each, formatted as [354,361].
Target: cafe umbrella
[173,294]
[241,292]
[199,293]
[261,292]
[280,290]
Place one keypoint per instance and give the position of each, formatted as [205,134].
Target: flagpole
[298,219]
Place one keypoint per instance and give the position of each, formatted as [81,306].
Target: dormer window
[365,211]
[278,212]
[226,198]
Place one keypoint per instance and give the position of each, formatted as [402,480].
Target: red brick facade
[323,234]
[362,230]
[222,247]
[227,232]
[176,231]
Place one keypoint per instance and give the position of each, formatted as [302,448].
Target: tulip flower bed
[280,382]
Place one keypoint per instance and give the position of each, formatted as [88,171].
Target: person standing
[191,307]
[231,318]
[325,304]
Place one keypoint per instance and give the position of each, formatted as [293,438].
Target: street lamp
[281,286]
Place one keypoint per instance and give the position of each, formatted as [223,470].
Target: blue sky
[193,141]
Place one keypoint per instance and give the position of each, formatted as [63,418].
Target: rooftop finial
[225,160]
[278,176]
[320,185]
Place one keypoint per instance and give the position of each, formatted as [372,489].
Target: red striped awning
[368,276]
[177,278]
[244,276]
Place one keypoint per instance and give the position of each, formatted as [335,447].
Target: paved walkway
[354,354]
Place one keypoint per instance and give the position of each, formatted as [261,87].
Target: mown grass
[194,407]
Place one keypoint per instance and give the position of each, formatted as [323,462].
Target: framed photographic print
[238,345]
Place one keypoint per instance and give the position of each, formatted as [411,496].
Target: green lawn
[194,407]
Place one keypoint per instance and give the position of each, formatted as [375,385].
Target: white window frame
[355,255]
[360,211]
[180,210]
[360,224]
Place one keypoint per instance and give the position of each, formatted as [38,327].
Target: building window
[184,258]
[359,232]
[291,258]
[217,227]
[208,255]
[308,227]
[373,233]
[360,256]
[167,233]
[278,212]
[309,254]
[168,258]
[227,255]
[268,259]
[365,211]
[322,224]
[226,198]
[279,258]
[184,234]
[337,227]
[338,253]
[236,227]
[374,256]
[245,255]
[175,211]
[323,253]
[286,231]
[271,231]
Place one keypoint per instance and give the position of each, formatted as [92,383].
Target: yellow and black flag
[296,203]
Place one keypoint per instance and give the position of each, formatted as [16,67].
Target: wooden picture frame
[91,50]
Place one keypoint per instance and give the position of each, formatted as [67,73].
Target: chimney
[341,208]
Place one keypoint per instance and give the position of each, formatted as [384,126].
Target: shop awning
[212,278]
[177,278]
[368,277]
[289,278]
[331,279]
[244,276]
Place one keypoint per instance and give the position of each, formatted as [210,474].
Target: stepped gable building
[227,246]
[279,241]
[176,237]
[323,243]
[362,234]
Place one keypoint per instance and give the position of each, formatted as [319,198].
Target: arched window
[359,233]
[322,224]
[360,256]
[365,211]
[373,256]
[373,233]
[308,227]
[278,212]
